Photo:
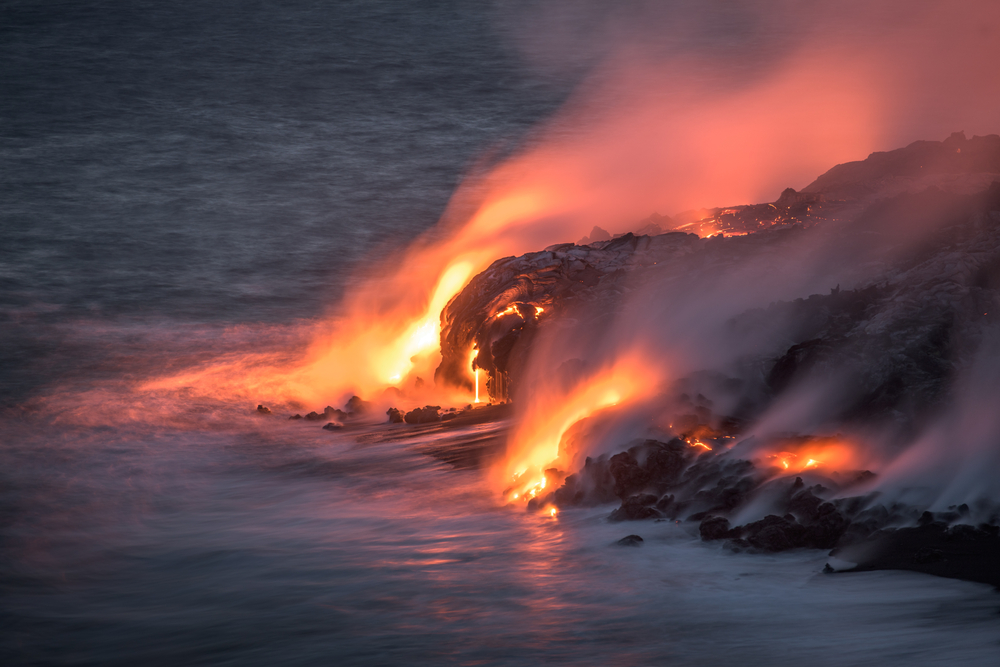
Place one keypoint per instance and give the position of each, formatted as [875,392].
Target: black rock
[960,552]
[773,538]
[358,407]
[665,463]
[665,504]
[629,477]
[827,529]
[637,508]
[333,413]
[261,410]
[593,485]
[333,426]
[715,528]
[630,541]
[315,416]
[395,416]
[425,415]
[738,545]
[296,416]
[927,555]
[775,533]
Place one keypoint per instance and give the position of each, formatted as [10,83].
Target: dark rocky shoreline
[926,217]
[677,482]
[898,339]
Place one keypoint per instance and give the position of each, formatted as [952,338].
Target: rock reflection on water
[285,544]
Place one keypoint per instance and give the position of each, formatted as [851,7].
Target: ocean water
[280,543]
[229,162]
[185,179]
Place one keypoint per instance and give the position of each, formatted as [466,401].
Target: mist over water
[283,543]
[183,182]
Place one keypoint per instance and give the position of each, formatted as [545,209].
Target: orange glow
[618,150]
[645,133]
[475,371]
[828,454]
[535,443]
[506,311]
[594,161]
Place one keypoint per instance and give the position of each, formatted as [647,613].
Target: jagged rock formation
[898,338]
[917,233]
[914,167]
[499,311]
[675,481]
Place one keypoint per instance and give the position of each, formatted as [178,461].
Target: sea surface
[185,179]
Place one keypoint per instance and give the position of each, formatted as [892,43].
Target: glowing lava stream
[537,442]
[831,454]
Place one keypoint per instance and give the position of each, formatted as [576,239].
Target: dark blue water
[183,179]
[230,161]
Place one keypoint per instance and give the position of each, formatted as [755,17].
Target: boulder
[357,407]
[715,528]
[636,508]
[335,414]
[425,415]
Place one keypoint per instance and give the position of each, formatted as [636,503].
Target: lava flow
[827,454]
[538,441]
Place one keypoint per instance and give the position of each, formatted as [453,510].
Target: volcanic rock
[630,477]
[597,234]
[661,467]
[335,414]
[593,485]
[630,541]
[425,415]
[636,508]
[961,551]
[296,416]
[357,407]
[715,528]
[315,416]
[261,410]
[901,168]
[333,426]
[395,416]
[500,310]
[917,232]
[775,533]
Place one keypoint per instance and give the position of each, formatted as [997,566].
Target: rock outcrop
[916,235]
[898,335]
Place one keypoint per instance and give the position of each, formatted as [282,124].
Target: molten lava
[535,445]
[801,454]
